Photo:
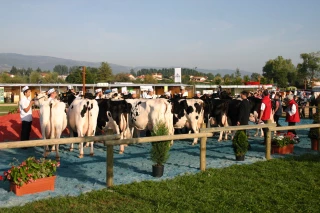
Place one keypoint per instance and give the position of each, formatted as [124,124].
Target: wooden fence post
[318,109]
[203,150]
[109,162]
[268,142]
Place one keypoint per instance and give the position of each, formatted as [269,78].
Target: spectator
[265,112]
[52,94]
[98,93]
[292,115]
[198,95]
[244,109]
[25,106]
[150,94]
[278,109]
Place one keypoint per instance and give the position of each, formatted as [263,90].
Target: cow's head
[40,98]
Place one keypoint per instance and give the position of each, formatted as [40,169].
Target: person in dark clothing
[312,103]
[244,109]
[277,109]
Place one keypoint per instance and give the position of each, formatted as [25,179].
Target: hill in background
[7,60]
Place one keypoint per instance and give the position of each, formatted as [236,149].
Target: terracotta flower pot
[282,150]
[39,185]
[314,144]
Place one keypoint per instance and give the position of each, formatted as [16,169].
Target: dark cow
[188,113]
[113,114]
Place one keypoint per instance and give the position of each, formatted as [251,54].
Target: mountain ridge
[7,60]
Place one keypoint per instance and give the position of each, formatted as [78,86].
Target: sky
[207,34]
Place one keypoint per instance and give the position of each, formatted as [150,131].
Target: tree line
[279,71]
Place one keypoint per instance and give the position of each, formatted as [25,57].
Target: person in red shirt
[292,114]
[265,112]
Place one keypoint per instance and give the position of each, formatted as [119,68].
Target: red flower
[1,178]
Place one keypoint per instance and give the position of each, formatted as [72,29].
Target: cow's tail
[52,132]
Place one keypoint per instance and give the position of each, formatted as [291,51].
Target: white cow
[82,118]
[53,120]
[145,113]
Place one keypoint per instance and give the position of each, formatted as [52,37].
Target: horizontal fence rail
[112,140]
[33,143]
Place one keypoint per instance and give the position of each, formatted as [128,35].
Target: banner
[2,95]
[177,75]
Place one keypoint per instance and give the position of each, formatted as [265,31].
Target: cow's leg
[220,136]
[81,150]
[262,133]
[195,130]
[46,151]
[257,133]
[57,152]
[121,147]
[224,120]
[71,136]
[91,149]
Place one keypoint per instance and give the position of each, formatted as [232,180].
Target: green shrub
[240,143]
[160,150]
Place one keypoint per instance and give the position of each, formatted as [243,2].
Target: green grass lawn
[280,185]
[5,109]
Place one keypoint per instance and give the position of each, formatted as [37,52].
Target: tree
[237,73]
[278,69]
[132,72]
[150,80]
[246,78]
[38,69]
[105,72]
[255,76]
[35,77]
[122,77]
[310,66]
[61,69]
[14,70]
[226,79]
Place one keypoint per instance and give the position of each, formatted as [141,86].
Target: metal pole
[83,80]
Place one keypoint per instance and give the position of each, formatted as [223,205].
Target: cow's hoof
[81,156]
[91,154]
[71,150]
[121,152]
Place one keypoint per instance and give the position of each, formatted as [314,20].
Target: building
[198,78]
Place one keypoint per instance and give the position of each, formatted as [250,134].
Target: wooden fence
[112,140]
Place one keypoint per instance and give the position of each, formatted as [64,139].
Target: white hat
[198,92]
[52,90]
[115,90]
[182,87]
[150,90]
[70,87]
[98,90]
[167,93]
[290,97]
[133,92]
[25,88]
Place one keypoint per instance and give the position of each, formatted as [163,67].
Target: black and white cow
[113,114]
[188,113]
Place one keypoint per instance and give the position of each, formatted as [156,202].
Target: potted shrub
[313,134]
[159,150]
[31,176]
[240,145]
[282,144]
